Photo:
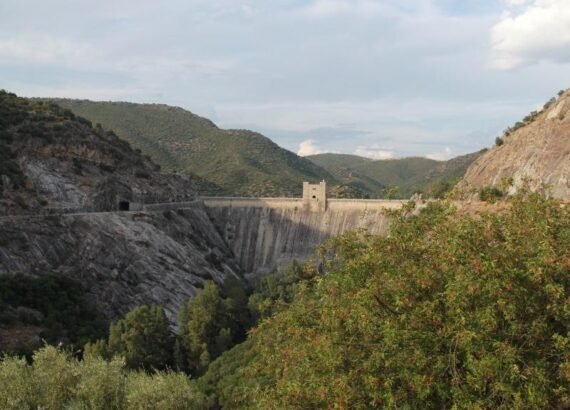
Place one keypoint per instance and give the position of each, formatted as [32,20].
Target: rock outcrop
[60,177]
[537,153]
[121,259]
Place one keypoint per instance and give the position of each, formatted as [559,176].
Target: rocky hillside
[228,162]
[373,177]
[536,150]
[50,159]
[58,177]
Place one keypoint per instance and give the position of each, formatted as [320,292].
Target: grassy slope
[238,162]
[408,174]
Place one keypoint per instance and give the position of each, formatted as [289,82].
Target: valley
[213,281]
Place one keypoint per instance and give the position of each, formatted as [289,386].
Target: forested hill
[228,162]
[409,175]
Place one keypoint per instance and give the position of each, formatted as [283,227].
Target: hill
[408,174]
[227,162]
[56,253]
[535,151]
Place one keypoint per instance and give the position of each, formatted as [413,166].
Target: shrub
[449,310]
[17,390]
[51,390]
[490,194]
[163,391]
[102,384]
[499,141]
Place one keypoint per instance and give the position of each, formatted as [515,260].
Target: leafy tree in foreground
[449,310]
[56,380]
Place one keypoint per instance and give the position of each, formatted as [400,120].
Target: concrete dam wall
[267,233]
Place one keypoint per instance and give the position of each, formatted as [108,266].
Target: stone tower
[315,196]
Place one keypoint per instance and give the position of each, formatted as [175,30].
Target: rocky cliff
[51,159]
[122,260]
[536,150]
[60,177]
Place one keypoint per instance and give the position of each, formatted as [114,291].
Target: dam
[265,234]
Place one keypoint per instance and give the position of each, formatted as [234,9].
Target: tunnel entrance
[124,205]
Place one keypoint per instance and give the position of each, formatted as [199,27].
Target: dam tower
[315,196]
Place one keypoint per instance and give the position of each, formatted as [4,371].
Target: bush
[499,141]
[447,311]
[17,390]
[102,384]
[490,194]
[56,380]
[163,391]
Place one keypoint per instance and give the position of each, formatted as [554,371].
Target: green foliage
[143,338]
[276,291]
[392,192]
[490,194]
[447,311]
[101,384]
[231,162]
[53,302]
[56,380]
[17,390]
[439,188]
[499,141]
[207,327]
[163,391]
[226,381]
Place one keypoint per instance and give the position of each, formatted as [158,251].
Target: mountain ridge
[410,174]
[229,162]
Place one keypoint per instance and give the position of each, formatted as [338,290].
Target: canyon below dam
[164,253]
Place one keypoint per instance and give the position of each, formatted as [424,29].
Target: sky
[376,78]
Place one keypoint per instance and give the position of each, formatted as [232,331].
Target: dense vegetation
[56,380]
[29,128]
[379,178]
[450,310]
[53,306]
[233,162]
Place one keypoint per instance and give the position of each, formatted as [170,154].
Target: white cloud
[374,151]
[531,31]
[329,8]
[308,147]
[446,154]
[46,50]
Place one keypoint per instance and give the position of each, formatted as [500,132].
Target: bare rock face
[122,260]
[537,154]
[62,182]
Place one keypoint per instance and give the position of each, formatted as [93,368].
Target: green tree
[206,327]
[448,310]
[143,338]
[392,192]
